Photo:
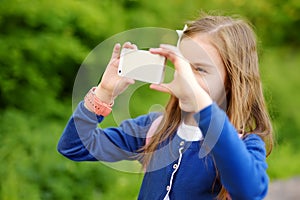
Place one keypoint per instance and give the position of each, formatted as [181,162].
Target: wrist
[203,101]
[104,95]
[197,103]
[94,104]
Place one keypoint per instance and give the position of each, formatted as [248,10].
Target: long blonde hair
[235,42]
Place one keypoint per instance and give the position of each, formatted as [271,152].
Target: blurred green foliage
[42,45]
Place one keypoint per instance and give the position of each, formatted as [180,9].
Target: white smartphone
[141,65]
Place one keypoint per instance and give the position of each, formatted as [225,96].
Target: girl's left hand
[192,97]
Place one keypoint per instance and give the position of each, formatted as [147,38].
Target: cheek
[214,86]
[203,82]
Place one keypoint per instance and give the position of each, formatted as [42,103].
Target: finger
[169,51]
[174,52]
[116,51]
[134,47]
[129,81]
[129,45]
[169,47]
[171,54]
[162,52]
[161,88]
[115,63]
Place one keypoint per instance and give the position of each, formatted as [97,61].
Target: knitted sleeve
[241,163]
[83,140]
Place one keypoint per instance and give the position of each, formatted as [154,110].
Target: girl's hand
[112,84]
[184,86]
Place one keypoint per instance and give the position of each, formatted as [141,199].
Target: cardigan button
[175,166]
[168,188]
[181,143]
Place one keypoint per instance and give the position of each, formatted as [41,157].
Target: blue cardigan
[240,163]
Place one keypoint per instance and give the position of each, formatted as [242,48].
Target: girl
[213,138]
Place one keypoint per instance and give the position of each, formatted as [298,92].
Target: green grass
[280,72]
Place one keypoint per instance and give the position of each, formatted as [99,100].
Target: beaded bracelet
[95,104]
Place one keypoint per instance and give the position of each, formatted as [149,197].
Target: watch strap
[94,104]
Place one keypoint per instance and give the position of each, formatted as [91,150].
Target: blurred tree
[42,44]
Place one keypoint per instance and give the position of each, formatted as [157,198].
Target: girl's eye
[200,70]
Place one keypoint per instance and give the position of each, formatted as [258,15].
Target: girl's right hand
[192,97]
[112,84]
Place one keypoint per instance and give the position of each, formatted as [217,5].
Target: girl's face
[206,64]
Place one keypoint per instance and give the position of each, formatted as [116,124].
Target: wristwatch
[96,105]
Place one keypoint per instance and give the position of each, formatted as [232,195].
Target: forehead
[198,49]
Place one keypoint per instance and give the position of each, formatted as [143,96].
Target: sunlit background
[42,45]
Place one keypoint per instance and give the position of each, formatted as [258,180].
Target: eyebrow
[203,64]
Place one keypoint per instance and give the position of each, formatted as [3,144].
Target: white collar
[189,133]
